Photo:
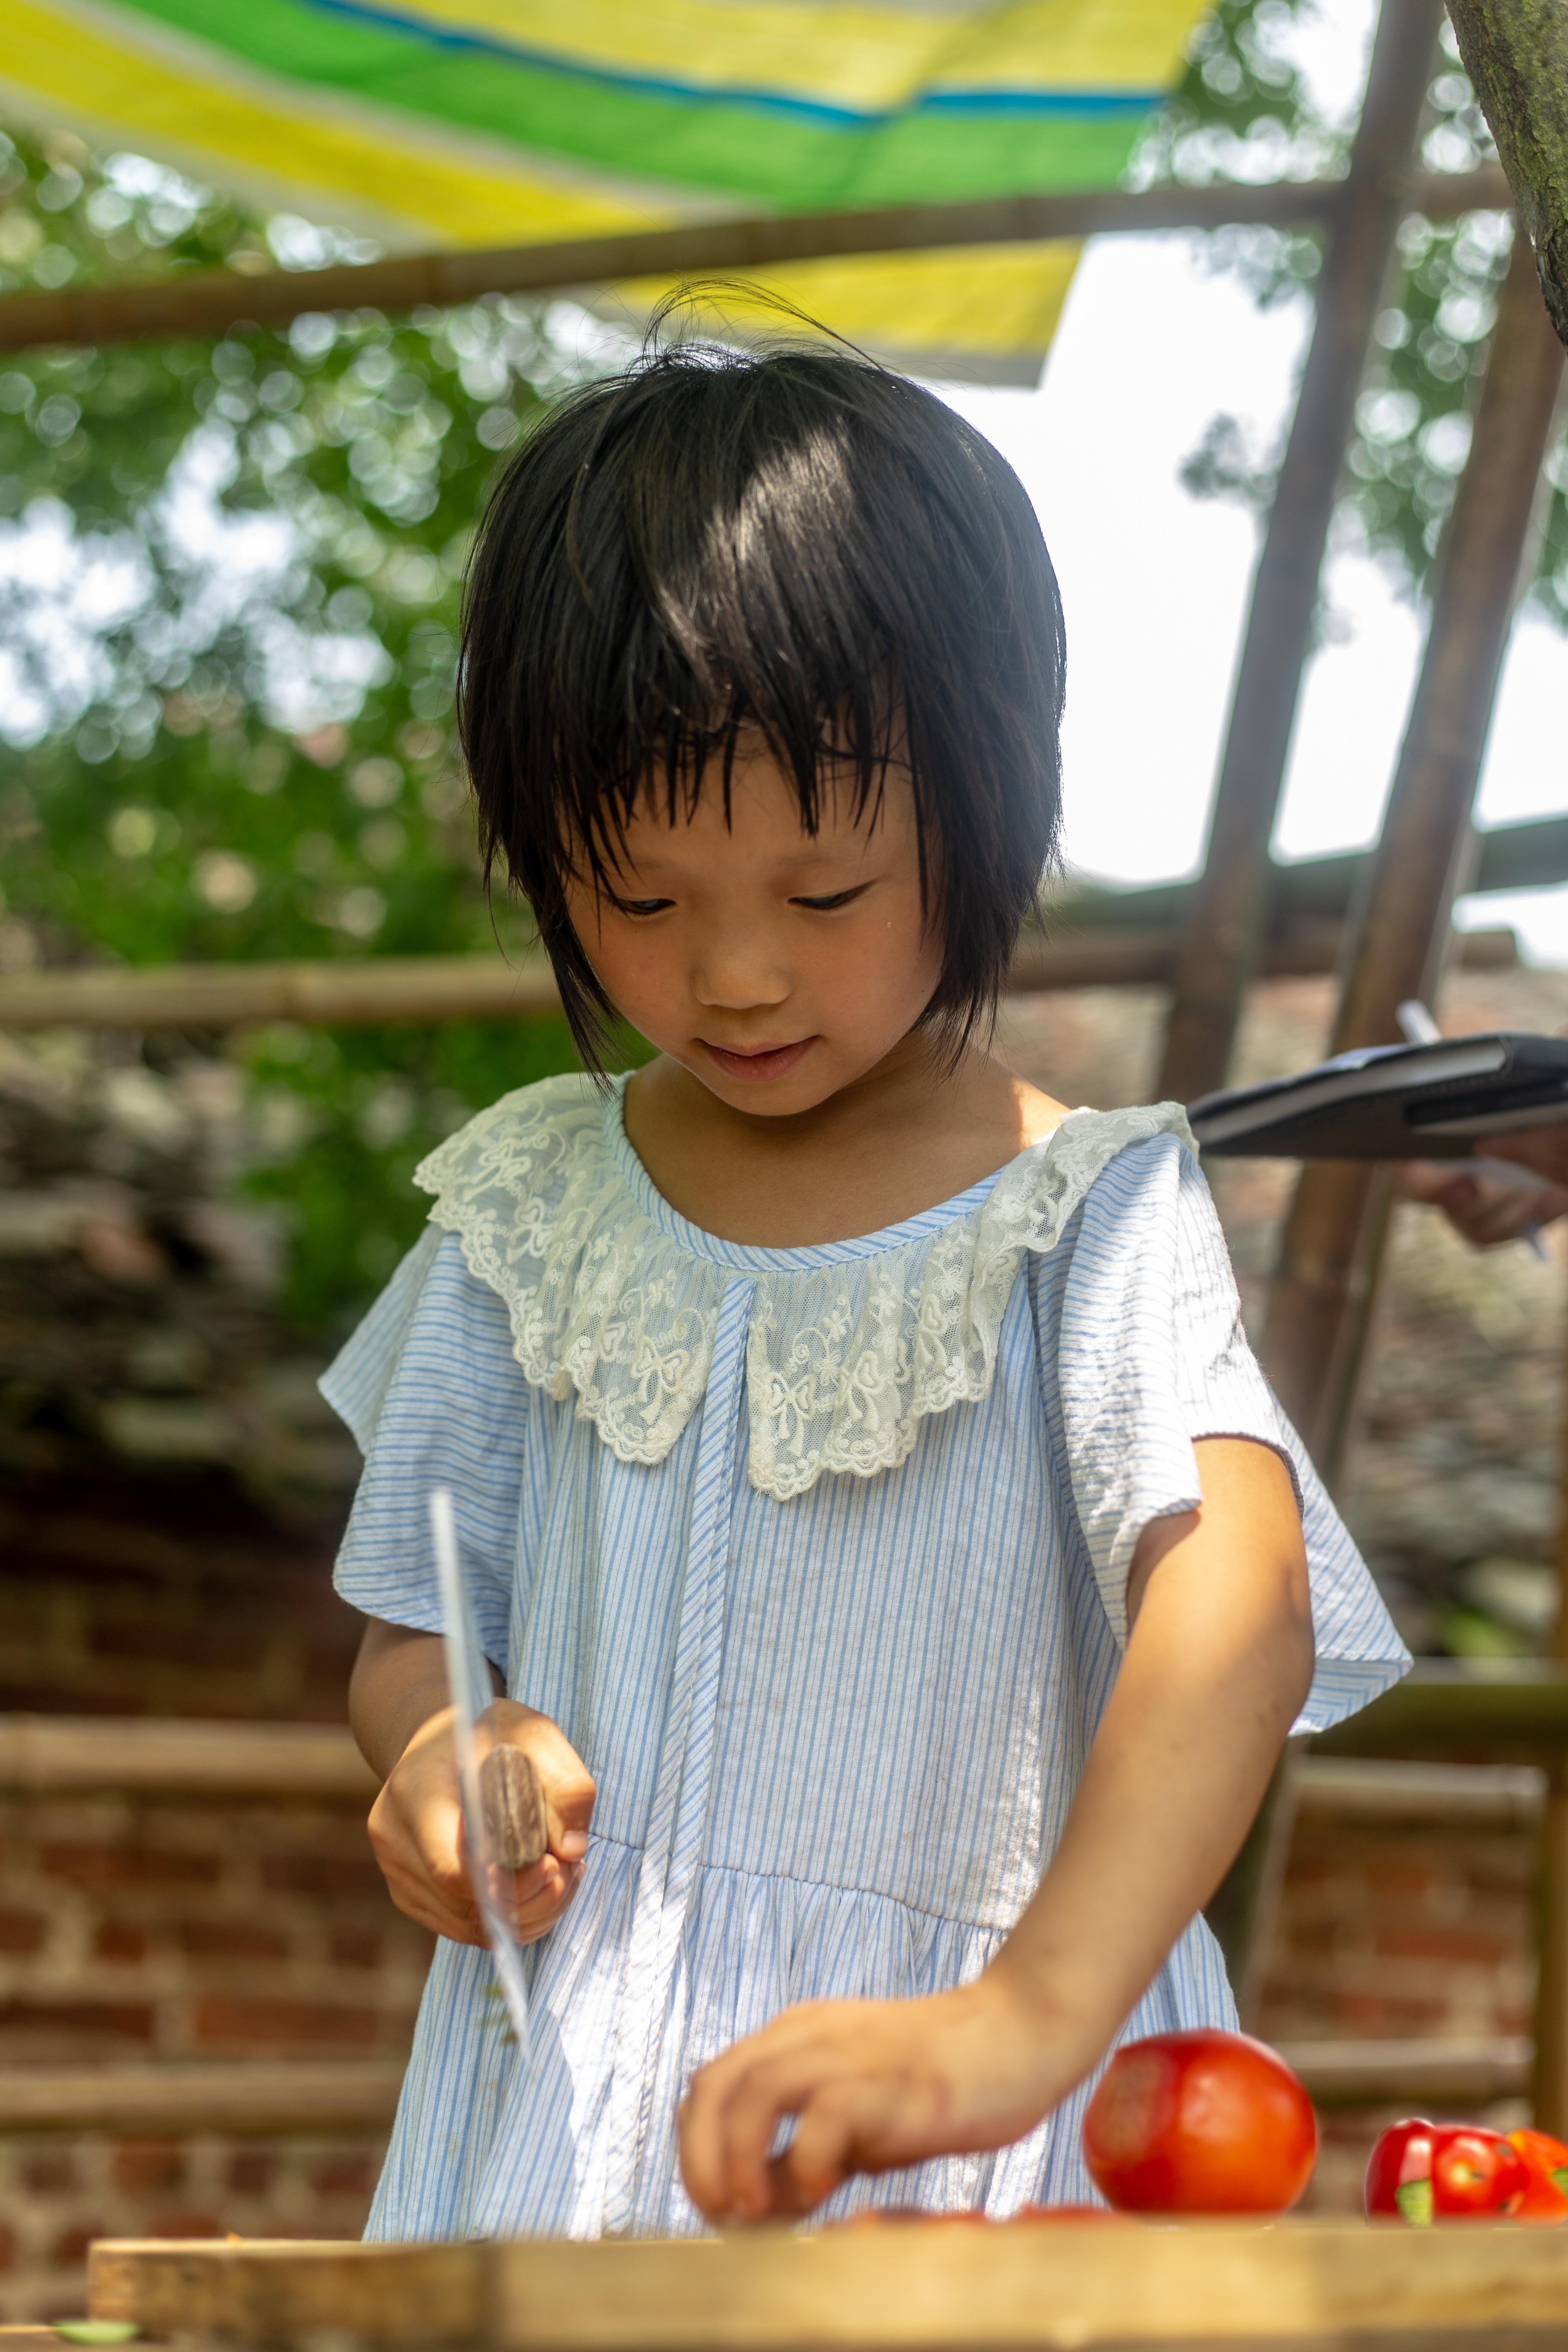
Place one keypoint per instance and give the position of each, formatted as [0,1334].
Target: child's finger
[836,2128]
[736,2122]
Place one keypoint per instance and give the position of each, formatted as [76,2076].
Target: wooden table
[904,2288]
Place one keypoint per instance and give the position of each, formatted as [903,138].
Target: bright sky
[1156,585]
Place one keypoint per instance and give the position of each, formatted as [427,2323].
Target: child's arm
[399,1710]
[1217,1665]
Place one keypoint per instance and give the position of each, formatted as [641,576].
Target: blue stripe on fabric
[1048,103]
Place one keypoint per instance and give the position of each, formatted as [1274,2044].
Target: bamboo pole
[211,301]
[348,992]
[1226,911]
[1403,927]
[1549,2087]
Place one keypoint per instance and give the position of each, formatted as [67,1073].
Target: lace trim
[843,1361]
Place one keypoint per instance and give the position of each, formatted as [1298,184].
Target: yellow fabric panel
[983,301]
[851,56]
[239,124]
[1069,45]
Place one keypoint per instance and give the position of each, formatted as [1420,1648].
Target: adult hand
[1485,1209]
[416,1827]
[873,2085]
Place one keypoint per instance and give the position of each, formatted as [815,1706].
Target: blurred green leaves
[228,605]
[1245,111]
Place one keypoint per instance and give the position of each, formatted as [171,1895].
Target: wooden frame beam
[358,992]
[1327,1255]
[1226,915]
[211,301]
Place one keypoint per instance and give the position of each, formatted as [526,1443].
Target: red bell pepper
[1425,2173]
[1546,2162]
[1399,2174]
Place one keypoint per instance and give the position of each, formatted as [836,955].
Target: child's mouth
[764,1062]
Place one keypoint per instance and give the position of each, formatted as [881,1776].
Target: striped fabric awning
[498,122]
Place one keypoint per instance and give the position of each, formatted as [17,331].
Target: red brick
[232,2023]
[177,1645]
[325,1874]
[70,2249]
[357,1948]
[180,2224]
[226,1939]
[51,2174]
[127,1865]
[121,2021]
[119,1939]
[1455,1945]
[142,2165]
[20,1931]
[344,2176]
[251,2171]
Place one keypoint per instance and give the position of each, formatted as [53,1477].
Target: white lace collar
[852,1345]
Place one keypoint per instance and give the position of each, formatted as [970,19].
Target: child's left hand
[874,2084]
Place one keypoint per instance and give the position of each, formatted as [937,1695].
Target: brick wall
[144,1931]
[1396,1929]
[173,1596]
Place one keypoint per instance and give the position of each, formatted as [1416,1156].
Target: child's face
[776,966]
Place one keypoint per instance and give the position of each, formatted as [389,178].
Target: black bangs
[799,543]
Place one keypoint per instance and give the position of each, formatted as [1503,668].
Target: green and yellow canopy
[502,121]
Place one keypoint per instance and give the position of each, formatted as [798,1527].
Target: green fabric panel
[773,159]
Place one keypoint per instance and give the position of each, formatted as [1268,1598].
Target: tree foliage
[228,578]
[228,581]
[1246,111]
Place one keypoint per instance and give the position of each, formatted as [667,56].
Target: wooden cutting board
[905,2288]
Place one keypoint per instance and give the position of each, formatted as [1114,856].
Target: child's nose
[739,969]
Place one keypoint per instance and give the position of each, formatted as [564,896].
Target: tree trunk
[1516,53]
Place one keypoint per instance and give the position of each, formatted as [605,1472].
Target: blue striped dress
[818,1558]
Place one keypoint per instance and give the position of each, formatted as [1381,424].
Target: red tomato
[1545,2159]
[1399,2175]
[1200,2123]
[1476,2175]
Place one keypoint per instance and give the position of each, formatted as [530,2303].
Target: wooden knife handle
[512,1796]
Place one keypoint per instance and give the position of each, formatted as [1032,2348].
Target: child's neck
[902,1138]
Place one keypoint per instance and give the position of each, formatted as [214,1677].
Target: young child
[885,1544]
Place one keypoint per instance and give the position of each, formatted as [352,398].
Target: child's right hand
[416,1827]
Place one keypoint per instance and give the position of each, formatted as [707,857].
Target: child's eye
[644,906]
[835,899]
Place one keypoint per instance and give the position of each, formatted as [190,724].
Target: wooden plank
[348,989]
[196,1759]
[1432,1796]
[347,993]
[253,2098]
[1429,2072]
[1501,1707]
[208,302]
[1320,1296]
[278,2291]
[1070,2285]
[1225,913]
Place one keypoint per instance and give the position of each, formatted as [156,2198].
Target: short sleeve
[431,1388]
[1151,1355]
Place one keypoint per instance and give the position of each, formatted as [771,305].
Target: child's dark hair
[799,542]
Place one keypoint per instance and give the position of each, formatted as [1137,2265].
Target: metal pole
[1226,911]
[1399,937]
